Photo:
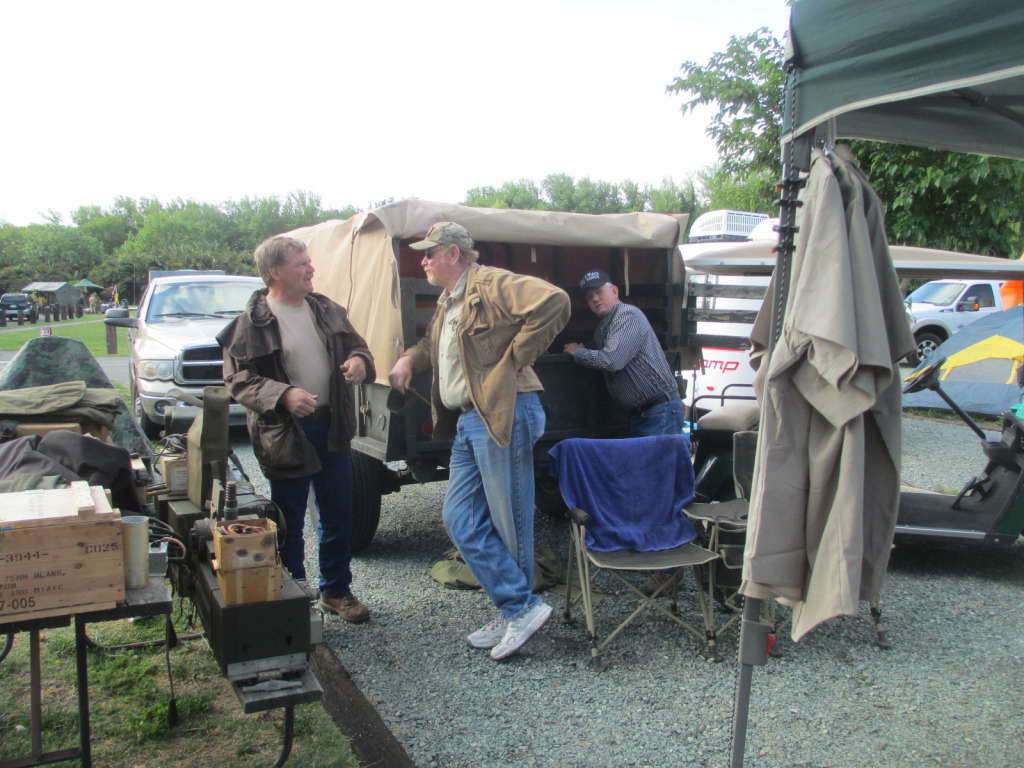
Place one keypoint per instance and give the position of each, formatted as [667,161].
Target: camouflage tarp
[55,359]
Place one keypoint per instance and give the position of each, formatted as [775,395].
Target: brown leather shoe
[348,607]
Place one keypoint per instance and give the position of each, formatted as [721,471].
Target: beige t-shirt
[302,349]
[451,380]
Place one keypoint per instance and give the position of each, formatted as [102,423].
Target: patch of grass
[129,703]
[91,332]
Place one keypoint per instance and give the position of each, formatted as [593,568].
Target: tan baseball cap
[444,233]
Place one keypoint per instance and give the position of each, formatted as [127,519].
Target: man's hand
[298,402]
[570,349]
[354,370]
[401,374]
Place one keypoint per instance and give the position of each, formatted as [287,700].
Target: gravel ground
[949,692]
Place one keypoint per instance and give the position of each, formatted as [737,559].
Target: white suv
[173,344]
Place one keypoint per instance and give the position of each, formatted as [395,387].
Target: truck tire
[547,497]
[366,494]
[926,344]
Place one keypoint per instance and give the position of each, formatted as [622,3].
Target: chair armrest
[578,516]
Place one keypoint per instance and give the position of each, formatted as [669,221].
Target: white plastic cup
[135,538]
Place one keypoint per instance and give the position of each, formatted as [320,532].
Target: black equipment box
[250,638]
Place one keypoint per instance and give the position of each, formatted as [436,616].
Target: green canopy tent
[935,73]
[938,73]
[87,285]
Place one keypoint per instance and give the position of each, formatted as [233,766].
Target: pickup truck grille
[201,365]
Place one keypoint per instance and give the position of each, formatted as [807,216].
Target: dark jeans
[661,419]
[332,486]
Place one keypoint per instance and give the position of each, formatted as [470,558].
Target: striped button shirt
[627,351]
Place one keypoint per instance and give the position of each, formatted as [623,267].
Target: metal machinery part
[262,647]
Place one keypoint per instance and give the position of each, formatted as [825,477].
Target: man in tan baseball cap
[445,233]
[489,327]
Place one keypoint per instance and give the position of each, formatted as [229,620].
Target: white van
[725,372]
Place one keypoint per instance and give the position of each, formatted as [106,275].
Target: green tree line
[117,246]
[561,192]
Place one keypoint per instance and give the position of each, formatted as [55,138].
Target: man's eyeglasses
[432,252]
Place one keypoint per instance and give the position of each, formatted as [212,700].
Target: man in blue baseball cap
[627,352]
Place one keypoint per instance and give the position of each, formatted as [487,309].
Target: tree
[14,270]
[523,194]
[933,198]
[948,200]
[583,196]
[59,253]
[12,245]
[751,190]
[671,197]
[745,83]
[561,192]
[256,219]
[109,229]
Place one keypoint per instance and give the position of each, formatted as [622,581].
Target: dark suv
[12,303]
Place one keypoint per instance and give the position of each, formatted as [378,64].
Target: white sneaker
[521,630]
[488,636]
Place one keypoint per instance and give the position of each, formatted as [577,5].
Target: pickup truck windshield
[171,303]
[940,294]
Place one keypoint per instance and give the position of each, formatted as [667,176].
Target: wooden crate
[25,428]
[174,470]
[60,553]
[234,551]
[249,585]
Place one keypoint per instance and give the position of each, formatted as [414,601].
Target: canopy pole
[753,648]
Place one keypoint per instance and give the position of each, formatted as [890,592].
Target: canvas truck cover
[356,264]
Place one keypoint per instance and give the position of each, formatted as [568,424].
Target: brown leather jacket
[254,375]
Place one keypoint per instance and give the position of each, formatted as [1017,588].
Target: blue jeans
[661,419]
[488,509]
[332,486]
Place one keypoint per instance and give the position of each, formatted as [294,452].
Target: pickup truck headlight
[155,369]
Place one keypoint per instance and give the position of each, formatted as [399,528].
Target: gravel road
[949,693]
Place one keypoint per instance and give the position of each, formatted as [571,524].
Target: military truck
[365,264]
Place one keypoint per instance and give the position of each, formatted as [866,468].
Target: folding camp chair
[723,527]
[723,530]
[625,500]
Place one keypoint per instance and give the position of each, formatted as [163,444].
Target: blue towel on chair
[634,490]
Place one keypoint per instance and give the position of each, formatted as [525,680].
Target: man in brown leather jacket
[289,359]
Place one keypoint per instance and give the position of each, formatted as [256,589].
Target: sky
[356,102]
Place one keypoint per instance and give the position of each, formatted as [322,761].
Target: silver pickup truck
[172,344]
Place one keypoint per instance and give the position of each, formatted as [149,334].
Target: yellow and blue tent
[980,366]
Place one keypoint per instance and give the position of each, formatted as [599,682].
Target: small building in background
[54,294]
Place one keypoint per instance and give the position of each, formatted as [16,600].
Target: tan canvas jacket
[507,321]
